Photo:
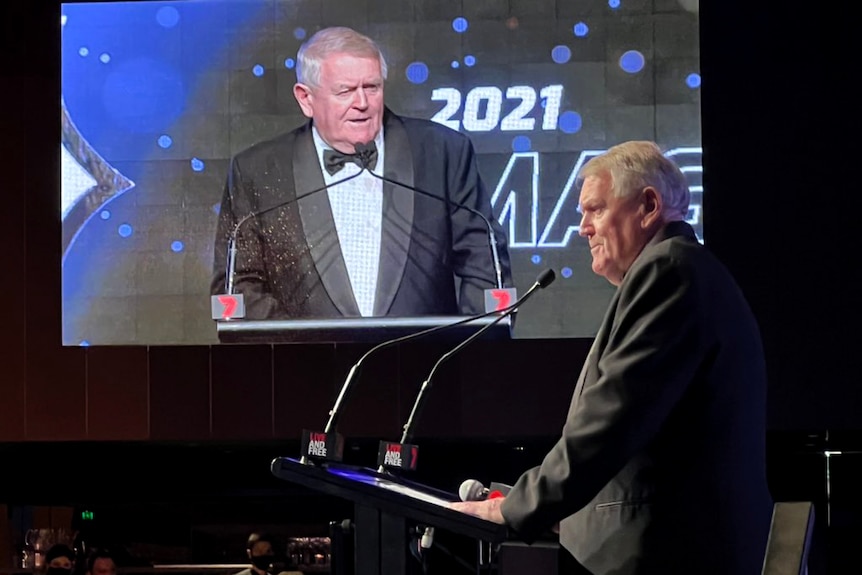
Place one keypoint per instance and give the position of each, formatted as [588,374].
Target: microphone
[404,446]
[230,305]
[328,444]
[364,151]
[473,490]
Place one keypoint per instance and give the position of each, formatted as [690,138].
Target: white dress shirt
[357,208]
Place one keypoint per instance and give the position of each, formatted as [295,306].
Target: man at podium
[401,227]
[660,467]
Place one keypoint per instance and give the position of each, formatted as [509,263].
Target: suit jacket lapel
[319,225]
[397,222]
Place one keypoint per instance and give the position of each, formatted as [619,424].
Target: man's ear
[651,204]
[304,98]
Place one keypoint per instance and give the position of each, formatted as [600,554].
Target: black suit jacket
[289,262]
[661,463]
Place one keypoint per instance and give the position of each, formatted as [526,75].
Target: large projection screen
[158,96]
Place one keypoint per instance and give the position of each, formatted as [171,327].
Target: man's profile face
[615,227]
[104,566]
[347,105]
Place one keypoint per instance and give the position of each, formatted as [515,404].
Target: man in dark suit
[661,464]
[362,247]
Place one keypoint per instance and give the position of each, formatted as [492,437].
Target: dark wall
[778,207]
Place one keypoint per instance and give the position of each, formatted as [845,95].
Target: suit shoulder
[269,146]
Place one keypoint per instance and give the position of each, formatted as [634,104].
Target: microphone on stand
[394,455]
[230,305]
[364,151]
[327,445]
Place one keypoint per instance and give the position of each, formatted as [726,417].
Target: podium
[384,507]
[359,329]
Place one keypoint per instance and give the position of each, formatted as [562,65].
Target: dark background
[778,109]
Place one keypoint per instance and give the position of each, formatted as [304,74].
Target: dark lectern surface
[359,329]
[390,494]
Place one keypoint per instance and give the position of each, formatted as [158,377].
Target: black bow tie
[333,160]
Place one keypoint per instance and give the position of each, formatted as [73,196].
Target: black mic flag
[230,305]
[402,455]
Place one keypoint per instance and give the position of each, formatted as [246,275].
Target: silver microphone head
[471,490]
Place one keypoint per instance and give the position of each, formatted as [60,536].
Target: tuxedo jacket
[435,258]
[661,464]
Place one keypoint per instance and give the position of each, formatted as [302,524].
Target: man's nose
[583,231]
[361,100]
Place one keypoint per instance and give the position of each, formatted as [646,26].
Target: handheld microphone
[327,445]
[542,281]
[473,490]
[364,152]
[230,305]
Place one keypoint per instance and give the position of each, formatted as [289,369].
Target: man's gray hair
[637,164]
[335,40]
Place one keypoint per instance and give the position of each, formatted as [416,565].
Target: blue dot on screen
[198,165]
[125,230]
[290,63]
[632,61]
[460,25]
[177,246]
[536,259]
[83,51]
[566,272]
[693,80]
[105,58]
[456,64]
[165,142]
[417,72]
[570,122]
[84,343]
[168,16]
[521,144]
[580,30]
[257,70]
[105,214]
[299,33]
[470,60]
[561,54]
[217,208]
[614,3]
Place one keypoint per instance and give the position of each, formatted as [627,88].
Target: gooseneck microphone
[329,436]
[396,452]
[364,151]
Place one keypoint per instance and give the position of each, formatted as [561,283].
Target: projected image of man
[362,247]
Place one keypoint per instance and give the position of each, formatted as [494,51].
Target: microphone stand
[544,279]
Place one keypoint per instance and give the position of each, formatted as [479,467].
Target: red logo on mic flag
[499,299]
[228,306]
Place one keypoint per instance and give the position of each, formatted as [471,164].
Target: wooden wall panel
[304,380]
[56,392]
[117,393]
[242,392]
[179,393]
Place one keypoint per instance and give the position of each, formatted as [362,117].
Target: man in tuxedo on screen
[660,468]
[363,247]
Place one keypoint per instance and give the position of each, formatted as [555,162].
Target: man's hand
[489,509]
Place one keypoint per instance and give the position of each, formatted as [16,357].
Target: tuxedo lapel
[397,222]
[319,225]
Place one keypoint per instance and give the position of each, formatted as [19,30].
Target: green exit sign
[87,515]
